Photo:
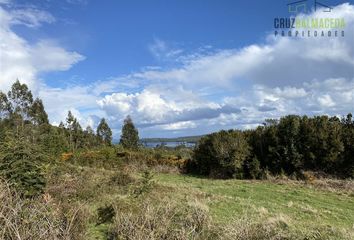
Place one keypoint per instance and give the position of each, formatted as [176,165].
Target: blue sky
[177,67]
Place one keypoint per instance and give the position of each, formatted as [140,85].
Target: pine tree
[104,133]
[130,136]
[19,164]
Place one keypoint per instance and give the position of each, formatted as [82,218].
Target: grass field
[300,205]
[297,207]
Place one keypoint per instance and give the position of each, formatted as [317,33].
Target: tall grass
[37,218]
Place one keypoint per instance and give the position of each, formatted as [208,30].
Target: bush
[20,166]
[221,154]
[105,214]
[163,220]
[105,157]
[145,184]
[120,178]
[253,168]
[37,218]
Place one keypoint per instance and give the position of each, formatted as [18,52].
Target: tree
[222,154]
[21,99]
[77,134]
[70,127]
[104,132]
[130,136]
[17,105]
[5,107]
[288,135]
[347,163]
[37,113]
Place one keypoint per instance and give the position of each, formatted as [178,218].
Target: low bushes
[162,220]
[38,218]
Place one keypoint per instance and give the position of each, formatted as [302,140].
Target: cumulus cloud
[20,59]
[23,60]
[154,108]
[242,87]
[207,89]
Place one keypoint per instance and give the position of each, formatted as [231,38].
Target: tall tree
[77,134]
[5,107]
[130,136]
[104,132]
[21,99]
[37,113]
[70,127]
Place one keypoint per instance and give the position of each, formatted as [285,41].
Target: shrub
[145,184]
[253,168]
[163,220]
[20,165]
[105,214]
[106,157]
[66,156]
[221,154]
[120,178]
[37,218]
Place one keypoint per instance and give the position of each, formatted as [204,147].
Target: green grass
[305,207]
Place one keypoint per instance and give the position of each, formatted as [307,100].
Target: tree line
[27,139]
[290,146]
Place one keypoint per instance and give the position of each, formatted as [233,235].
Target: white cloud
[207,90]
[163,51]
[30,17]
[283,76]
[22,60]
[179,125]
[326,101]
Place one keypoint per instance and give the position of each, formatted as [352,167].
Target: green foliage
[222,154]
[19,164]
[105,214]
[130,136]
[105,157]
[301,143]
[37,113]
[253,168]
[104,133]
[144,186]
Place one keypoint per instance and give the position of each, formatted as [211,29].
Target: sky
[177,67]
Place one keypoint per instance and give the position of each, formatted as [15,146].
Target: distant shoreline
[188,139]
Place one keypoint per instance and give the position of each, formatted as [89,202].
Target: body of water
[167,144]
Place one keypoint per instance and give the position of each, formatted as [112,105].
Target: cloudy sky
[178,68]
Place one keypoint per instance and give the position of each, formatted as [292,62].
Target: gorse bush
[20,166]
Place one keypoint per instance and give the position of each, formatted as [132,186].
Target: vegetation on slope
[68,183]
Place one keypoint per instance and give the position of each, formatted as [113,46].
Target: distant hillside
[190,139]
